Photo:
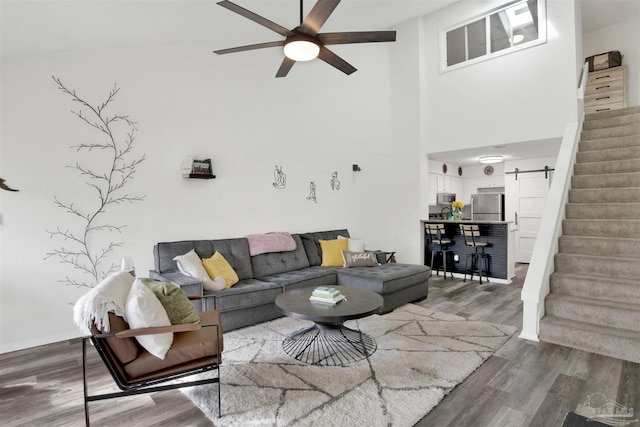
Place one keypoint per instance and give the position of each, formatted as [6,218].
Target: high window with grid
[512,27]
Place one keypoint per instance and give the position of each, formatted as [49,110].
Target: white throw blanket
[94,306]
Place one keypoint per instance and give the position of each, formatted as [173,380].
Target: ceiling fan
[305,42]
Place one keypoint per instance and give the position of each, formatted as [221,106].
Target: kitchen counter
[465,221]
[501,250]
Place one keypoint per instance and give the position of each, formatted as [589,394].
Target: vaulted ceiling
[33,26]
[29,26]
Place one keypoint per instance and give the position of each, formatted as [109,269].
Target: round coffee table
[328,341]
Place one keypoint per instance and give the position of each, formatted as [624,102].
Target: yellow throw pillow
[332,252]
[217,266]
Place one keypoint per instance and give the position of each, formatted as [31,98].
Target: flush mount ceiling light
[301,48]
[518,38]
[490,159]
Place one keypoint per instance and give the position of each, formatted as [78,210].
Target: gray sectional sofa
[264,277]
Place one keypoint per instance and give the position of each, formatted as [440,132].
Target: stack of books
[201,167]
[193,168]
[326,295]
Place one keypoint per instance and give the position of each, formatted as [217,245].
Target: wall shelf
[197,169]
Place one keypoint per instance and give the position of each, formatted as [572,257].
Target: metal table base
[329,344]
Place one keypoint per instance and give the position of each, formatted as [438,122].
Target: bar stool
[437,236]
[471,233]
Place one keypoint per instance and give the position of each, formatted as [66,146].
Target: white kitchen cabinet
[457,187]
[439,183]
[491,181]
[444,184]
[433,189]
[470,187]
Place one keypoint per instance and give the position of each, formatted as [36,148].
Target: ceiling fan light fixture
[490,159]
[301,48]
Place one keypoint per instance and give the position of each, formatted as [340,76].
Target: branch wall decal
[78,248]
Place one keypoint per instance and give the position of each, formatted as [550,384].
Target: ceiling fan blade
[357,37]
[285,67]
[334,60]
[318,16]
[256,18]
[249,47]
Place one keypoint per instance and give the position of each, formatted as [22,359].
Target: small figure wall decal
[312,192]
[280,179]
[335,183]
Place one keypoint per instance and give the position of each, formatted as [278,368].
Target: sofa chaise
[263,277]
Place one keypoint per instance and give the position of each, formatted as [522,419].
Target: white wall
[407,204]
[522,96]
[624,37]
[186,101]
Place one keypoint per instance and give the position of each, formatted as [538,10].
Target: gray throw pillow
[359,259]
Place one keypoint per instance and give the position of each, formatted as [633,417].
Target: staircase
[594,303]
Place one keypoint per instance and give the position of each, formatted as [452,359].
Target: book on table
[323,292]
[322,300]
[326,295]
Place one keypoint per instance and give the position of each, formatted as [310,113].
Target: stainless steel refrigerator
[487,207]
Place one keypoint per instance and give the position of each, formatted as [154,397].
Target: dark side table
[328,341]
[384,257]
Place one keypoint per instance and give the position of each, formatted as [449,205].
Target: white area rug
[422,355]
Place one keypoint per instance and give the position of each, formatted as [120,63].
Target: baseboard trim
[528,336]
[491,279]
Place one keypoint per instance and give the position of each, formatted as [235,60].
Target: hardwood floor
[524,383]
[42,386]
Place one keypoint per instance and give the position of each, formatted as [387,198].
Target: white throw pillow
[355,245]
[190,265]
[144,310]
[217,284]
